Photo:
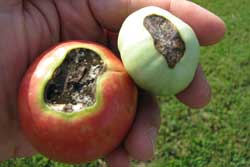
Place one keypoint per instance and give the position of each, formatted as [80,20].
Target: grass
[218,135]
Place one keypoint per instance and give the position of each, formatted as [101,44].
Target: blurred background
[218,135]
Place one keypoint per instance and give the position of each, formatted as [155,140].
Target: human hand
[32,26]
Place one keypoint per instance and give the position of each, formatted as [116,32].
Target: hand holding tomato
[30,27]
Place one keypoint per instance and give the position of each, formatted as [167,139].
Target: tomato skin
[81,136]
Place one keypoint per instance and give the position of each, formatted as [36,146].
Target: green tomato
[159,51]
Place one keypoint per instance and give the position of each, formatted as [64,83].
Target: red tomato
[82,136]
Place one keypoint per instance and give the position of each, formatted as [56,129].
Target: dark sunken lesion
[73,84]
[167,39]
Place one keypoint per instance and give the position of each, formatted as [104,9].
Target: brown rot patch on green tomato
[167,39]
[73,84]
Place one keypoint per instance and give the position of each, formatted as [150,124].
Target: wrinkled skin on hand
[29,27]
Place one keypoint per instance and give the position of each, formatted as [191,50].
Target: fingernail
[152,134]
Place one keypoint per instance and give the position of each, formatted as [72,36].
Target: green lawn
[218,135]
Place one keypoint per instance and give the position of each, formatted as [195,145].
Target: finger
[112,42]
[118,158]
[141,140]
[77,21]
[208,27]
[198,93]
[23,147]
[9,3]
